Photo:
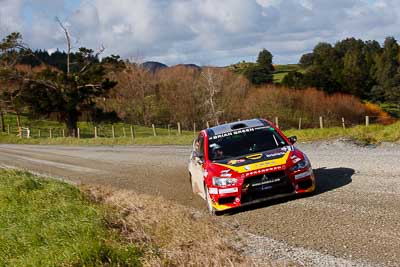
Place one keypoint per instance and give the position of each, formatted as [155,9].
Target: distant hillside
[153,66]
[194,66]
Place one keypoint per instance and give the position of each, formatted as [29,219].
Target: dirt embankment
[354,219]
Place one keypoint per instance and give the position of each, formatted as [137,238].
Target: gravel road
[353,220]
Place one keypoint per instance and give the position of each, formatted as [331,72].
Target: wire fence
[28,129]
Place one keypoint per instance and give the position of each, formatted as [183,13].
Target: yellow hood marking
[258,165]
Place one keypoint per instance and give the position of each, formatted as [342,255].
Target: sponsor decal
[247,167]
[275,154]
[295,159]
[225,173]
[205,173]
[228,190]
[276,168]
[236,161]
[213,191]
[265,180]
[218,136]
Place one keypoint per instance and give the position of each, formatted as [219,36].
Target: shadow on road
[330,179]
[326,179]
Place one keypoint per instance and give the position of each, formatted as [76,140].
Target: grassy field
[50,223]
[282,70]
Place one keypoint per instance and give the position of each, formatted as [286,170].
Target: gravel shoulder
[354,219]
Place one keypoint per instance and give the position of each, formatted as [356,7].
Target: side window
[199,146]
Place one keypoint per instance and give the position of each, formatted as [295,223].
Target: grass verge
[373,134]
[172,234]
[49,223]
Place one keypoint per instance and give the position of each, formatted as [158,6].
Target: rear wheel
[210,208]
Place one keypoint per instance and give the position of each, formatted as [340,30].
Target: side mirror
[293,139]
[200,160]
[197,157]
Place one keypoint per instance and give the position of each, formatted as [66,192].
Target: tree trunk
[3,127]
[72,124]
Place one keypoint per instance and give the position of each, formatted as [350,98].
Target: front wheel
[210,208]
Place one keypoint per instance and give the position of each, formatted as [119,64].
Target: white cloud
[10,17]
[205,31]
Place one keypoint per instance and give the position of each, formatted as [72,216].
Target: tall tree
[69,93]
[261,72]
[11,50]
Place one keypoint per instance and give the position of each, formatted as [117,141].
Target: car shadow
[326,179]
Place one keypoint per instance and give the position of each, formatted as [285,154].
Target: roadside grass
[44,222]
[174,235]
[373,134]
[50,223]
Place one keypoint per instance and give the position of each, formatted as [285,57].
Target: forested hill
[361,68]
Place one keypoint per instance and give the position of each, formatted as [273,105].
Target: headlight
[218,181]
[300,165]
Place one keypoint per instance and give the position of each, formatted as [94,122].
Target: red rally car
[240,163]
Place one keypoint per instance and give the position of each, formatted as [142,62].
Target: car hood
[269,160]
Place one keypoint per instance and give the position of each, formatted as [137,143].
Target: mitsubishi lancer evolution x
[245,162]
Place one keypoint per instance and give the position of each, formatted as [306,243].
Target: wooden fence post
[277,122]
[50,133]
[63,133]
[208,124]
[154,130]
[299,123]
[179,128]
[79,133]
[95,132]
[112,131]
[123,131]
[367,121]
[343,124]
[132,133]
[169,129]
[28,133]
[39,133]
[20,132]
[321,122]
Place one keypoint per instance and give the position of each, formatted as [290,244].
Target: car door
[196,165]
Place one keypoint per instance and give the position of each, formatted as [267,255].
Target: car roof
[232,126]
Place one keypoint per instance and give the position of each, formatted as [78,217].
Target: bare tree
[68,39]
[213,86]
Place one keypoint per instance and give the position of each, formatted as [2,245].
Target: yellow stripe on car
[258,165]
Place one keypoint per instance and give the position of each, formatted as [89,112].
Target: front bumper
[245,194]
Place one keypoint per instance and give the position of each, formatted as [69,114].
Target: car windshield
[238,143]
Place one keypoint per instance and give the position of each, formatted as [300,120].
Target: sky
[203,32]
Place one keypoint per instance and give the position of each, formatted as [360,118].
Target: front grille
[265,185]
